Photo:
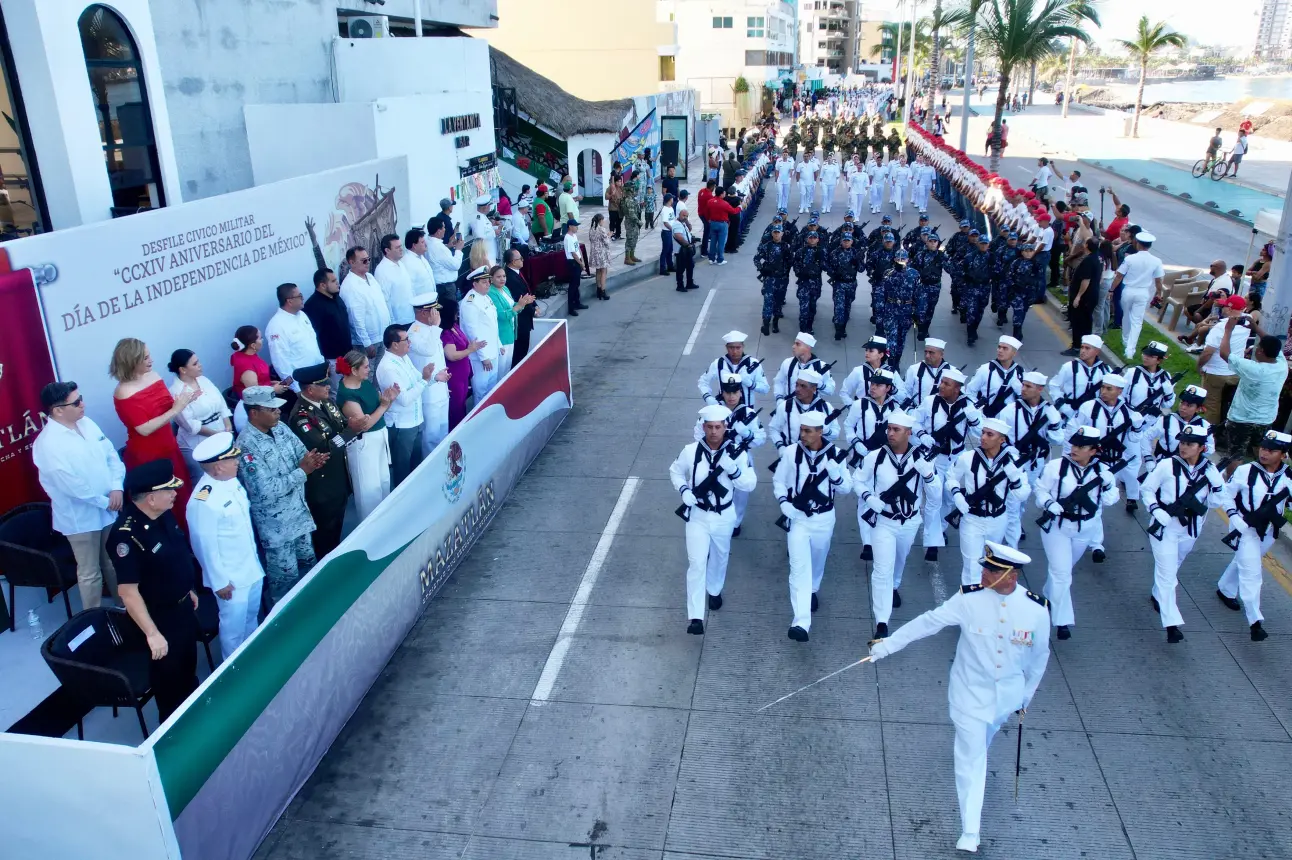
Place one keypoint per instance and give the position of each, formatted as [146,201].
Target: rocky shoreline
[1275,123]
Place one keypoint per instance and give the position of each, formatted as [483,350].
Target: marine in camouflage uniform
[1001,260]
[957,247]
[321,427]
[271,469]
[809,263]
[878,262]
[842,265]
[631,214]
[977,286]
[772,260]
[792,140]
[900,287]
[894,144]
[1025,272]
[930,261]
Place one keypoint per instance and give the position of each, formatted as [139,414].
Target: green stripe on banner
[190,750]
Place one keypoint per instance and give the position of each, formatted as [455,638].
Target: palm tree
[941,20]
[888,37]
[1019,32]
[1149,38]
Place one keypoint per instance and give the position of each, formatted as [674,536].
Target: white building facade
[830,34]
[1274,31]
[140,104]
[723,40]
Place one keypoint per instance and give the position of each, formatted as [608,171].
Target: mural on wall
[644,135]
[533,155]
[361,215]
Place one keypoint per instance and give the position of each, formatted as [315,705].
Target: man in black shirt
[517,286]
[669,182]
[445,217]
[155,577]
[1085,295]
[326,311]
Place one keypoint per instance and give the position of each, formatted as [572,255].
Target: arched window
[121,102]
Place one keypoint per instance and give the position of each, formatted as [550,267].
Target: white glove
[1012,471]
[927,440]
[1161,516]
[1237,522]
[789,511]
[688,498]
[728,464]
[1055,508]
[875,503]
[747,431]
[833,469]
[924,468]
[962,504]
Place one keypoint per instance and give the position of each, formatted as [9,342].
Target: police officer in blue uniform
[842,265]
[900,287]
[977,283]
[930,261]
[809,263]
[772,260]
[155,578]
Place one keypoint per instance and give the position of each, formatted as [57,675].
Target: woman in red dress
[145,406]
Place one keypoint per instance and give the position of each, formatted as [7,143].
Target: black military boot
[838,332]
[776,324]
[766,323]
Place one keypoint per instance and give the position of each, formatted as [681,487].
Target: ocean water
[1221,90]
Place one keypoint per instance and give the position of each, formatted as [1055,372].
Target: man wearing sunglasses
[366,304]
[83,476]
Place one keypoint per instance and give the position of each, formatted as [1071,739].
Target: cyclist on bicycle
[1236,156]
[1213,147]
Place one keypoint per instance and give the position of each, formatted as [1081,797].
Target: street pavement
[550,704]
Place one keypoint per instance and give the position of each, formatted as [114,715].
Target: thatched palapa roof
[551,107]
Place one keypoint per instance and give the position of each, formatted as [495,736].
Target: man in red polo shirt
[1121,219]
[702,209]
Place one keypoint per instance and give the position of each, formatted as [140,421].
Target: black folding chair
[101,658]
[33,555]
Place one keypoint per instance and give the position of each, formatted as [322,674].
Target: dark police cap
[315,374]
[152,476]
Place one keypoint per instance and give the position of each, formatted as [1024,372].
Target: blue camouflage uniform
[900,287]
[1001,259]
[878,261]
[914,238]
[842,265]
[1022,280]
[974,293]
[809,264]
[772,260]
[957,247]
[930,264]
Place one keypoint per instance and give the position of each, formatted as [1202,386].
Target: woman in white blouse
[207,415]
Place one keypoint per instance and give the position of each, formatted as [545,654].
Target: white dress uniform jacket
[478,227]
[1000,659]
[921,381]
[292,344]
[1121,439]
[1147,391]
[993,387]
[856,384]
[396,288]
[1075,383]
[895,521]
[865,427]
[752,379]
[78,469]
[787,417]
[1253,487]
[712,518]
[981,502]
[1076,524]
[219,528]
[366,305]
[787,376]
[480,322]
[1032,430]
[425,347]
[945,429]
[811,517]
[1162,436]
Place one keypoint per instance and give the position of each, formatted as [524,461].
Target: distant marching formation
[933,449]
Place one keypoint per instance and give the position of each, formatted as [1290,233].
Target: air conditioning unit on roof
[369,26]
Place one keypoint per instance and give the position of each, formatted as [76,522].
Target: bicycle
[1203,166]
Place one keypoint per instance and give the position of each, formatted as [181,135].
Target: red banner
[25,367]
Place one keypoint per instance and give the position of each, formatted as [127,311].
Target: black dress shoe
[1174,635]
[1131,506]
[1064,632]
[1022,536]
[931,553]
[1258,633]
[696,627]
[1228,601]
[693,286]
[581,306]
[816,604]
[1097,556]
[798,634]
[881,630]
[1071,352]
[715,601]
[867,553]
[735,532]
[680,289]
[571,313]
[1157,607]
[897,599]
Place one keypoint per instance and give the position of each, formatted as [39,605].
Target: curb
[1219,213]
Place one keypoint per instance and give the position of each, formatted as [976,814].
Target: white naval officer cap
[1086,436]
[812,419]
[1035,377]
[997,425]
[734,336]
[484,199]
[715,412]
[1116,380]
[1193,433]
[478,272]
[811,376]
[954,374]
[900,419]
[1276,441]
[1092,340]
[1011,342]
[214,448]
[1155,347]
[934,343]
[426,300]
[1000,557]
[876,341]
[805,338]
[1145,237]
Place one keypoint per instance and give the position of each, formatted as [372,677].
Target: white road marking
[556,659]
[699,322]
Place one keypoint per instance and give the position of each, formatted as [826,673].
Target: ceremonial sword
[814,683]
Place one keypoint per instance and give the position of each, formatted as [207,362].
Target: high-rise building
[830,34]
[1274,31]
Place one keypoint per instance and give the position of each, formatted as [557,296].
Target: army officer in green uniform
[319,424]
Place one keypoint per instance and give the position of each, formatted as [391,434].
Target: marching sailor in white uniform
[922,378]
[750,370]
[857,383]
[1260,492]
[865,430]
[706,474]
[890,483]
[802,359]
[1000,659]
[1150,391]
[980,481]
[1078,380]
[1072,492]
[1034,426]
[943,423]
[1178,493]
[999,382]
[809,474]
[1162,434]
[788,415]
[743,424]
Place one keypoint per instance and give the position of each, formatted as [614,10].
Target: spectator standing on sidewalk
[1086,282]
[599,252]
[1140,277]
[615,196]
[1217,376]
[666,216]
[1256,401]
